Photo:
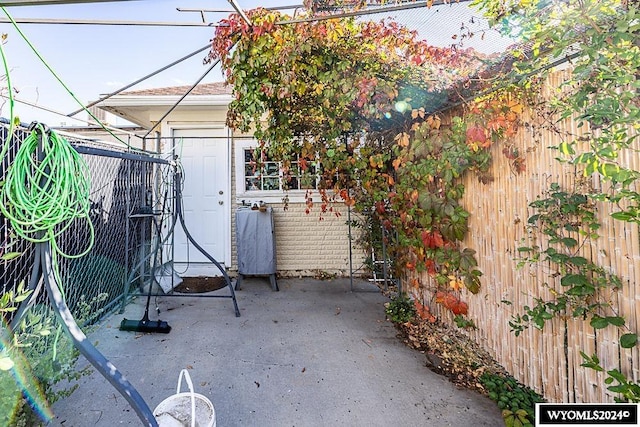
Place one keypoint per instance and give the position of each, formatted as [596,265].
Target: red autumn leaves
[432,239]
[448,300]
[502,119]
[452,302]
[477,137]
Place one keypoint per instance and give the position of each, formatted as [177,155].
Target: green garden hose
[46,190]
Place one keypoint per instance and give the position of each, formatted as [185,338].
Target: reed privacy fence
[547,360]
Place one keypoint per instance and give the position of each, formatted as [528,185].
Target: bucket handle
[184,373]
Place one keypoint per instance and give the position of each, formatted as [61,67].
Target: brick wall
[309,246]
[306,243]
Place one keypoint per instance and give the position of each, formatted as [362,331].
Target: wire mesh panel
[16,254]
[119,188]
[122,188]
[442,23]
[101,243]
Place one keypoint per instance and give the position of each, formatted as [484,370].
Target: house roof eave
[166,100]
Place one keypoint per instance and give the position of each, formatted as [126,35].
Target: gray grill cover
[255,242]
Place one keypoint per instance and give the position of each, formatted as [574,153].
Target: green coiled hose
[46,189]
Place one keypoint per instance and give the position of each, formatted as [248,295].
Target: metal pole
[80,341]
[350,249]
[412,5]
[202,11]
[6,3]
[139,80]
[70,21]
[385,274]
[159,122]
[127,247]
[243,15]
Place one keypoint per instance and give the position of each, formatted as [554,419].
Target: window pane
[270,183]
[301,174]
[271,169]
[252,184]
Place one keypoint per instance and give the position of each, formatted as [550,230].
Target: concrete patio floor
[312,354]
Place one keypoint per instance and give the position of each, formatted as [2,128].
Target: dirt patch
[199,285]
[449,352]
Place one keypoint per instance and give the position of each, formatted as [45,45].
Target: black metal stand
[43,272]
[178,211]
[97,359]
[178,217]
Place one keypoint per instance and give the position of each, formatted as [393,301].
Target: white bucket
[185,409]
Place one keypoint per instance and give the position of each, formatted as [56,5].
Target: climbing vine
[569,222]
[424,204]
[600,41]
[363,98]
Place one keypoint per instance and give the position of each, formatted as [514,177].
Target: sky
[95,60]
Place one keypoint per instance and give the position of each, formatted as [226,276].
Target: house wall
[306,244]
[309,244]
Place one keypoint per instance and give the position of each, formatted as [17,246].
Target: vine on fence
[578,285]
[601,41]
[359,97]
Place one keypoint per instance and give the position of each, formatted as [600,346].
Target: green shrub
[401,309]
[516,400]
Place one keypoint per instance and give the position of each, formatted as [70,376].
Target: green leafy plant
[567,219]
[9,302]
[400,309]
[599,40]
[356,96]
[44,356]
[463,322]
[616,381]
[516,400]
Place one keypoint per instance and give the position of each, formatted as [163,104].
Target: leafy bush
[401,309]
[42,356]
[516,400]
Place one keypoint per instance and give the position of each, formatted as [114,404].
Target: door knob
[221,202]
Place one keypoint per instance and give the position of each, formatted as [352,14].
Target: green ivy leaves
[568,220]
[598,322]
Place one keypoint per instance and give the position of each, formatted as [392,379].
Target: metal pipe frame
[158,71]
[182,97]
[70,21]
[118,155]
[243,15]
[8,3]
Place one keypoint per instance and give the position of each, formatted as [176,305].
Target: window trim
[267,196]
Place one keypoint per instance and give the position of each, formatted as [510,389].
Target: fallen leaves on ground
[449,352]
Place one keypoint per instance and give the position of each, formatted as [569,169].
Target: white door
[204,154]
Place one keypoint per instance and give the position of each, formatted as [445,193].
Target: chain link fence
[129,203]
[123,196]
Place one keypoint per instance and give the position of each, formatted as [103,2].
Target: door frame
[210,269]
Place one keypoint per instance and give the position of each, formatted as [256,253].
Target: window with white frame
[268,178]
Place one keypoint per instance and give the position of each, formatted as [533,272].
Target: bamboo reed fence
[546,360]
